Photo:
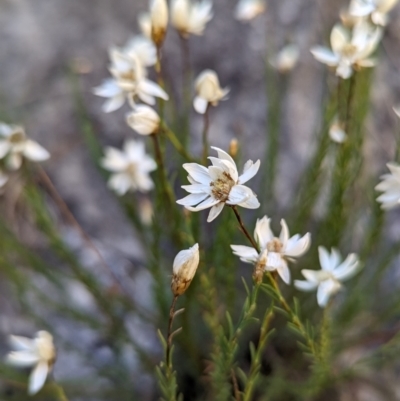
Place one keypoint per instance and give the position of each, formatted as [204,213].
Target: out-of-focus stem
[176,142]
[170,333]
[244,230]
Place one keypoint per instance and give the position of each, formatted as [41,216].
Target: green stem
[176,142]
[244,230]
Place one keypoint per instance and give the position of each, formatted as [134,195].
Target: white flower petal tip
[275,253]
[130,168]
[144,120]
[208,91]
[337,133]
[247,10]
[38,353]
[328,280]
[217,185]
[390,187]
[396,110]
[185,265]
[286,59]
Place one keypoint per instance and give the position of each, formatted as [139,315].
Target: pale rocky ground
[41,39]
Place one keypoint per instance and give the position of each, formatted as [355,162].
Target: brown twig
[205,133]
[244,230]
[170,333]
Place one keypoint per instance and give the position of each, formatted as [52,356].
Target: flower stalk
[206,127]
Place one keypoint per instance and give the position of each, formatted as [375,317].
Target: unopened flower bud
[143,119]
[233,147]
[184,269]
[159,21]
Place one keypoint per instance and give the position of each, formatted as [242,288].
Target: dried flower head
[247,10]
[143,119]
[350,50]
[130,168]
[184,268]
[328,280]
[390,186]
[15,145]
[208,91]
[159,21]
[274,252]
[190,18]
[218,185]
[38,353]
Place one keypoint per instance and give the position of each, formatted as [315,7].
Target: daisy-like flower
[286,59]
[247,10]
[143,48]
[274,252]
[184,268]
[350,50]
[129,81]
[218,185]
[190,18]
[38,353]
[328,280]
[377,10]
[15,145]
[336,132]
[144,120]
[208,91]
[390,186]
[130,168]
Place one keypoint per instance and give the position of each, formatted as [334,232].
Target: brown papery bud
[184,269]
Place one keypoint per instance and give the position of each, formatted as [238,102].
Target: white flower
[159,20]
[376,9]
[219,184]
[328,280]
[248,9]
[184,268]
[208,91]
[143,48]
[129,82]
[38,353]
[190,18]
[144,22]
[274,252]
[390,186]
[336,132]
[15,145]
[350,51]
[143,119]
[286,59]
[131,168]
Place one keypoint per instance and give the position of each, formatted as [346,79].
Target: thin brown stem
[170,333]
[244,230]
[205,134]
[236,391]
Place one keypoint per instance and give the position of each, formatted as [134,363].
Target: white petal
[239,194]
[324,55]
[198,172]
[348,268]
[325,290]
[109,88]
[4,148]
[246,253]
[262,232]
[35,152]
[209,202]
[113,103]
[38,377]
[215,211]
[197,189]
[303,285]
[284,272]
[325,259]
[14,161]
[223,155]
[339,38]
[284,235]
[192,199]
[22,358]
[250,170]
[250,203]
[296,248]
[200,104]
[21,343]
[313,276]
[152,89]
[120,183]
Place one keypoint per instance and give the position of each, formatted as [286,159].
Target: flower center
[222,186]
[17,137]
[349,50]
[132,170]
[275,245]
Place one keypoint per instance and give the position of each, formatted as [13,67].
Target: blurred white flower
[38,353]
[130,168]
[350,50]
[15,145]
[328,280]
[219,184]
[286,59]
[390,186]
[336,132]
[246,10]
[190,18]
[377,10]
[144,22]
[274,252]
[184,268]
[159,20]
[143,48]
[143,119]
[208,91]
[129,82]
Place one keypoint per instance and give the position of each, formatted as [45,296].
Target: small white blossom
[130,168]
[190,18]
[38,353]
[184,268]
[390,186]
[144,22]
[377,10]
[328,280]
[286,59]
[159,20]
[143,119]
[336,132]
[143,48]
[350,50]
[219,184]
[129,81]
[246,10]
[208,91]
[274,252]
[15,145]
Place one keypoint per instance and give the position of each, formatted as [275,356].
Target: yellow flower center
[275,245]
[349,50]
[17,137]
[222,186]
